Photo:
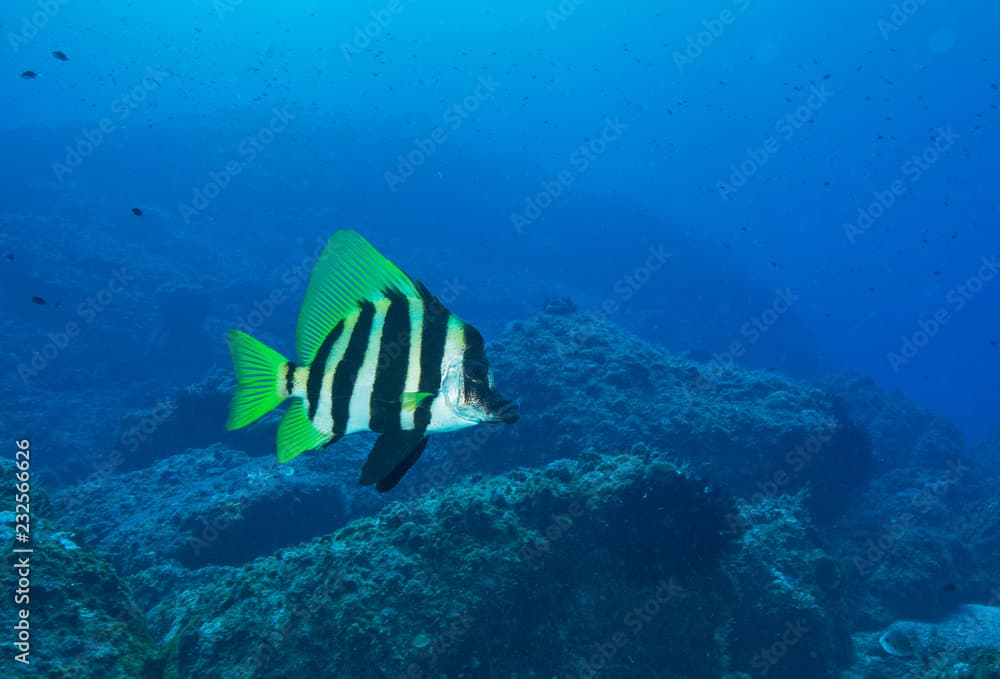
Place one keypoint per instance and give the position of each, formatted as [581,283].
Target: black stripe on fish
[318,369]
[390,373]
[347,370]
[432,340]
[289,377]
[475,346]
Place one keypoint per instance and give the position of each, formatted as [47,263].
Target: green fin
[349,271]
[296,434]
[411,399]
[259,386]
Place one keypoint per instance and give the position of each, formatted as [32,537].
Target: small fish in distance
[10,256]
[137,212]
[376,352]
[61,56]
[29,75]
[38,300]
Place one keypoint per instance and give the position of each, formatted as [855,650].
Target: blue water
[847,95]
[804,187]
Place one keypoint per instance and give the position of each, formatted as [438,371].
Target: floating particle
[38,300]
[137,212]
[61,56]
[29,75]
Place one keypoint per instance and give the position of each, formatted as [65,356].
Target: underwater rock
[583,382]
[964,644]
[193,417]
[792,618]
[902,433]
[611,562]
[83,620]
[908,540]
[559,305]
[213,506]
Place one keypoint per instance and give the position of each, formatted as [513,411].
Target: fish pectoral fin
[391,457]
[412,399]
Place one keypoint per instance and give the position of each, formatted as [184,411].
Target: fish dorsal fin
[348,272]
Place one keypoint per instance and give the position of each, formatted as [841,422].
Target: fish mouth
[506,412]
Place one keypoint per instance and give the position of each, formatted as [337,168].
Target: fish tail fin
[261,379]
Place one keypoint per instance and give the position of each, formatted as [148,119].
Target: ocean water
[795,201]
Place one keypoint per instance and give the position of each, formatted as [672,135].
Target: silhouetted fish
[38,300]
[61,56]
[137,212]
[29,75]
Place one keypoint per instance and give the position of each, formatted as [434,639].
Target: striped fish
[376,352]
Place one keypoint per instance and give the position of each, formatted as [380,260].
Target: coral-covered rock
[964,644]
[215,506]
[792,619]
[193,417]
[613,563]
[585,383]
[902,433]
[82,618]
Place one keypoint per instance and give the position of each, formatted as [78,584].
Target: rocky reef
[617,566]
[652,515]
[82,618]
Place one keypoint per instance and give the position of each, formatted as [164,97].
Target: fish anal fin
[296,434]
[389,482]
[391,450]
